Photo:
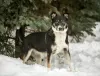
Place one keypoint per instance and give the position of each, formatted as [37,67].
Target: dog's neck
[58,35]
[52,31]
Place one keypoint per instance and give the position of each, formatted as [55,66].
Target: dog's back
[35,40]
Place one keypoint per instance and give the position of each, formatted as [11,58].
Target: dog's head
[59,22]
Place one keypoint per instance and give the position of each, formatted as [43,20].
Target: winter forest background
[21,17]
[20,14]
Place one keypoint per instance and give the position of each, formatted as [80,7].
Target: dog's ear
[53,15]
[65,15]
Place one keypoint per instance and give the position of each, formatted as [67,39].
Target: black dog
[54,41]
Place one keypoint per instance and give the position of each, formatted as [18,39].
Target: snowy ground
[85,58]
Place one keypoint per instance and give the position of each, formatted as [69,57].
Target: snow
[85,59]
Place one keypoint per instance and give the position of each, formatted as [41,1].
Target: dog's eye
[63,24]
[57,20]
[55,24]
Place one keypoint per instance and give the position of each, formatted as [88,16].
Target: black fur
[42,41]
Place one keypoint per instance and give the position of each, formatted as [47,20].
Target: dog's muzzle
[61,29]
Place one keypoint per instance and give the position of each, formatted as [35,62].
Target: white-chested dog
[53,41]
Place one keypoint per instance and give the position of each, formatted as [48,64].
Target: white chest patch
[60,38]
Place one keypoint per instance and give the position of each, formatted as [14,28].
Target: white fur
[36,54]
[27,56]
[60,37]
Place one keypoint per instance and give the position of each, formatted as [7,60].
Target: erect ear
[53,15]
[66,15]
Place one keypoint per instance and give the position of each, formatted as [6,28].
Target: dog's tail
[19,39]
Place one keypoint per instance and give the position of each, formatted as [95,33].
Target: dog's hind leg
[37,55]
[28,55]
[38,59]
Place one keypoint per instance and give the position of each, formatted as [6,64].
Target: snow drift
[85,59]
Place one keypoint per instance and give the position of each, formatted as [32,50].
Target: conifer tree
[36,14]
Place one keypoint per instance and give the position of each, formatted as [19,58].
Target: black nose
[61,29]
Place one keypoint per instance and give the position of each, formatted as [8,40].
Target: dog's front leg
[48,59]
[68,59]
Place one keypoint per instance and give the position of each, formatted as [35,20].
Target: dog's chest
[60,38]
[60,43]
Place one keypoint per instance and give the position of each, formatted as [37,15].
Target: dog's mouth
[60,29]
